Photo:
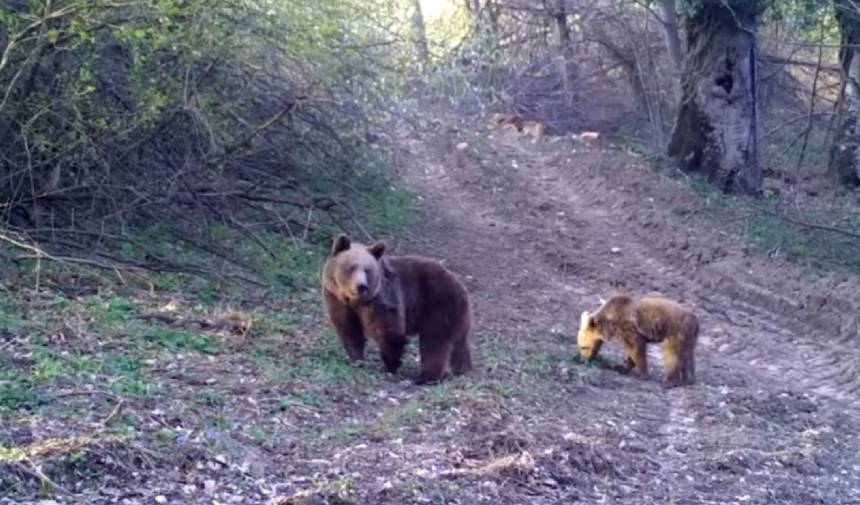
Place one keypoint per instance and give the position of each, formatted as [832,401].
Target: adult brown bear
[387,299]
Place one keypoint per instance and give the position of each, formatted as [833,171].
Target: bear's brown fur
[368,295]
[636,323]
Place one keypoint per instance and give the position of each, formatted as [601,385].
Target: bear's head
[354,271]
[590,338]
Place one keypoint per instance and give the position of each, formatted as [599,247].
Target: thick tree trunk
[715,132]
[419,33]
[845,152]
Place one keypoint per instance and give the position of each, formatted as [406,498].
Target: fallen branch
[822,227]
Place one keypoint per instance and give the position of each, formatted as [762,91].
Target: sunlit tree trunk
[715,131]
[419,33]
[845,152]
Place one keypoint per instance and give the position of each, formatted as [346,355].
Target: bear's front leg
[347,325]
[391,348]
[626,366]
[637,356]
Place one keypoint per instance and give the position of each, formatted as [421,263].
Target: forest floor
[166,401]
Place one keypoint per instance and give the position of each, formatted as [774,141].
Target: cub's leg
[347,326]
[626,366]
[673,361]
[690,364]
[637,356]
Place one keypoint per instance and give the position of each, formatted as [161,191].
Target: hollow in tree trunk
[715,131]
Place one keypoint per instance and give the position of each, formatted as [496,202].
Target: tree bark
[715,132]
[845,151]
[669,13]
[670,32]
[567,67]
[419,33]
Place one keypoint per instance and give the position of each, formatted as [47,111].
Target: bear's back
[660,316]
[428,287]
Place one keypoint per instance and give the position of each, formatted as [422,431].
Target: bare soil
[546,230]
[539,231]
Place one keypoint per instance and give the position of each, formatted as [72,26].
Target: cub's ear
[377,249]
[585,320]
[340,243]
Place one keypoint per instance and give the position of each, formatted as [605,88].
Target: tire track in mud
[566,242]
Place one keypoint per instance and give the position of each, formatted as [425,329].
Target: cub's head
[353,271]
[589,339]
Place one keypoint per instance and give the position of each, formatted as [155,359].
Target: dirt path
[544,231]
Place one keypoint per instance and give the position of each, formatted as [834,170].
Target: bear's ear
[585,320]
[377,249]
[340,243]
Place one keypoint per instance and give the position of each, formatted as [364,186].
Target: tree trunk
[715,131]
[845,152]
[567,66]
[419,34]
[670,32]
[669,19]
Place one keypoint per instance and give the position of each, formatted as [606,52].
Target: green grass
[180,340]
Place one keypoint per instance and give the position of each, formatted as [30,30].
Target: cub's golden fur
[636,323]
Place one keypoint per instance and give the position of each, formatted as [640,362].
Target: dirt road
[543,231]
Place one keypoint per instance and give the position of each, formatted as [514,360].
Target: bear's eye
[352,269]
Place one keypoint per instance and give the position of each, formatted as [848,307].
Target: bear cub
[369,295]
[636,323]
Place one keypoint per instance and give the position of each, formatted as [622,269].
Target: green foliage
[124,110]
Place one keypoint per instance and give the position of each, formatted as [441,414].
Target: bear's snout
[362,290]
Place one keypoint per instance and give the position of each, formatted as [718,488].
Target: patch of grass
[180,340]
[118,373]
[126,375]
[165,435]
[327,364]
[388,209]
[18,390]
[11,313]
[109,312]
[211,398]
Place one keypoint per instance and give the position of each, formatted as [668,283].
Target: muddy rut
[544,231]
